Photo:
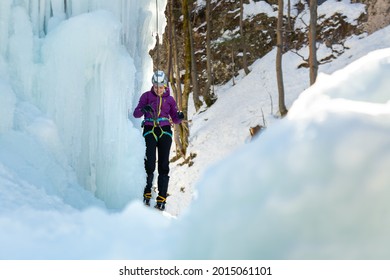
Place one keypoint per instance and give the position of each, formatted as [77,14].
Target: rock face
[378,15]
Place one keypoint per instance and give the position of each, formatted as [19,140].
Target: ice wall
[69,72]
[7,101]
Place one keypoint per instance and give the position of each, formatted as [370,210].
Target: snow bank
[313,186]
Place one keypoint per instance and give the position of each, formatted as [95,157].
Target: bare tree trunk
[176,66]
[243,42]
[168,44]
[233,66]
[209,96]
[194,72]
[279,53]
[173,67]
[187,76]
[312,42]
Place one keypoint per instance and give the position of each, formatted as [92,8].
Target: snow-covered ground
[311,186]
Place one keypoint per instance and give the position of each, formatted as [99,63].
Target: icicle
[34,16]
[5,8]
[21,42]
[57,14]
[79,7]
[58,7]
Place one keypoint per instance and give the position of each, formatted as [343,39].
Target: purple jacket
[163,107]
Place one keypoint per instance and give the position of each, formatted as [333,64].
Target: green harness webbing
[157,123]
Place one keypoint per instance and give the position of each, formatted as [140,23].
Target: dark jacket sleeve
[142,103]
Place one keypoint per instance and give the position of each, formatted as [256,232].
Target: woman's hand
[180,115]
[147,109]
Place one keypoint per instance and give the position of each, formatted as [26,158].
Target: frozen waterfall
[69,72]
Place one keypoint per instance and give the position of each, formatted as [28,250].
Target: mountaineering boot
[160,205]
[148,189]
[147,197]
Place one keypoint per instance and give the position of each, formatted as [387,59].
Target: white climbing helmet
[159,78]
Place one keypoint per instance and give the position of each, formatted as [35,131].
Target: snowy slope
[225,127]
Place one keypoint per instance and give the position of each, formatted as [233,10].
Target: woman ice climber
[158,108]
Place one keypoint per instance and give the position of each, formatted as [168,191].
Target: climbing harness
[156,123]
[163,132]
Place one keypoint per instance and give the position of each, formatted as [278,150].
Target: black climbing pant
[160,139]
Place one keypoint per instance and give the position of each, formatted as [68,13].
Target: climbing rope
[157,38]
[156,117]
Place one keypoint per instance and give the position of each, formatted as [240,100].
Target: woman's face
[158,89]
